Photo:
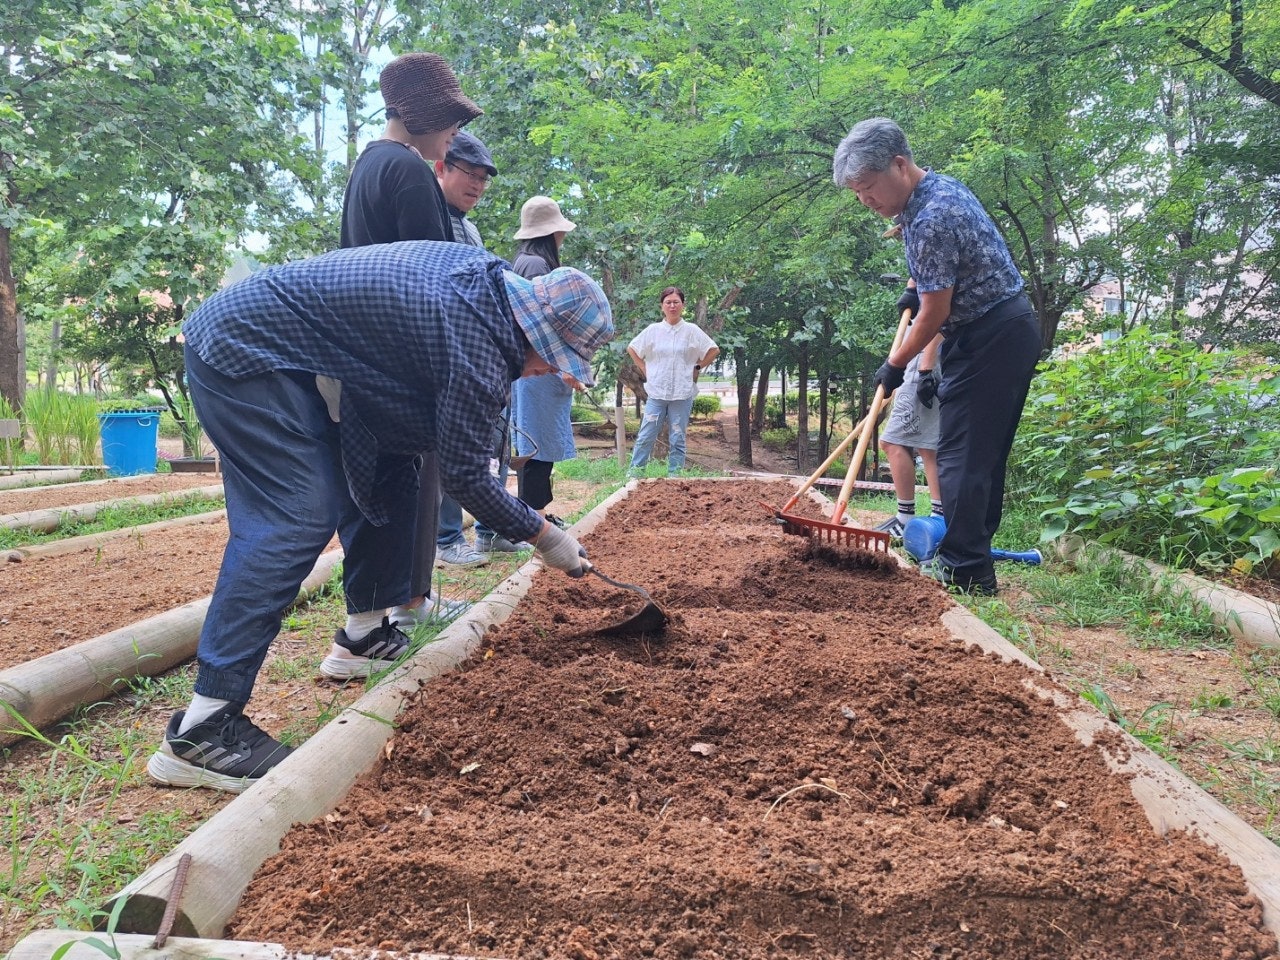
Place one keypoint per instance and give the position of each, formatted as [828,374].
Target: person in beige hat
[540,217]
[540,406]
[393,195]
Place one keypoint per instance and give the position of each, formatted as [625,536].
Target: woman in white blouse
[669,354]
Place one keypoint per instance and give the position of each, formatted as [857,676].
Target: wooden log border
[46,521]
[47,689]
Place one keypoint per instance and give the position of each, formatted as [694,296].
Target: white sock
[906,511]
[201,709]
[360,625]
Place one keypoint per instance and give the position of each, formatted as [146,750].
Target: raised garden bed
[45,497]
[811,763]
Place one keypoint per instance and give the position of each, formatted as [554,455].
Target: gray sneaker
[460,554]
[495,543]
[893,527]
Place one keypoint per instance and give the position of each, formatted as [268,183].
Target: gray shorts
[910,423]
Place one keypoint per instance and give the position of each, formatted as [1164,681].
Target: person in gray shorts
[912,427]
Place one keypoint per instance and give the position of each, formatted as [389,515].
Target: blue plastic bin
[129,441]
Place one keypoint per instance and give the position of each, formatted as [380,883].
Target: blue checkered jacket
[951,241]
[422,337]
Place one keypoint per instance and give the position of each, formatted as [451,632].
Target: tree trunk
[13,366]
[802,413]
[762,400]
[743,378]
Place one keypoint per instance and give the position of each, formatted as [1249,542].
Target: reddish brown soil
[806,765]
[53,602]
[64,494]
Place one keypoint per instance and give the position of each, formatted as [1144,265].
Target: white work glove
[560,550]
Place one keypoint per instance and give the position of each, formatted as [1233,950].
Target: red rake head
[873,541]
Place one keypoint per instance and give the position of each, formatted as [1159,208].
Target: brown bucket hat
[421,89]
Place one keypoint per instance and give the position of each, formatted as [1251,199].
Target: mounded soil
[805,765]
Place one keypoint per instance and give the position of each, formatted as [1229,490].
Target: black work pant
[987,367]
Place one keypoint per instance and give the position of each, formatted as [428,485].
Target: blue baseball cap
[566,317]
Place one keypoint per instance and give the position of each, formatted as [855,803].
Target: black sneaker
[352,659]
[978,586]
[553,519]
[226,752]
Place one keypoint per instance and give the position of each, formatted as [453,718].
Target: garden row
[823,754]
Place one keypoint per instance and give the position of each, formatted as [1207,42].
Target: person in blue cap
[424,339]
[464,175]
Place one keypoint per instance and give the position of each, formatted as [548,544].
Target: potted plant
[193,459]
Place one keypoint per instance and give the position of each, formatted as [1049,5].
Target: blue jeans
[286,494]
[676,413]
[449,530]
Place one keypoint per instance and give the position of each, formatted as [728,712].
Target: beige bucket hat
[540,217]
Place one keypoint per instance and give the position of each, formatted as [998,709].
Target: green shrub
[581,414]
[170,429]
[706,405]
[780,439]
[138,404]
[1154,446]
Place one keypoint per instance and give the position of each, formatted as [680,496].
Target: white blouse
[669,352]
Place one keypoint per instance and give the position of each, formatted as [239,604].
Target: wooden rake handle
[868,427]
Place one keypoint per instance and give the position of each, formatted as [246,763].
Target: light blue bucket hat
[566,317]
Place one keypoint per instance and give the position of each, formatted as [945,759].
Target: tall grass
[9,448]
[65,426]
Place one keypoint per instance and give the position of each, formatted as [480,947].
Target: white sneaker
[460,554]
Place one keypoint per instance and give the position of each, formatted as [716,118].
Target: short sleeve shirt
[669,352]
[952,242]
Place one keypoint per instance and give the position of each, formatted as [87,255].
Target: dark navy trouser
[286,495]
[987,367]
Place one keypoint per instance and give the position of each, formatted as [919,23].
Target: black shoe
[552,518]
[226,752]
[379,649]
[985,586]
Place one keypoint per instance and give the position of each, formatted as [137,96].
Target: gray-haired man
[971,291]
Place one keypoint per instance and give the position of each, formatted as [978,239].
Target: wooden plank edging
[57,548]
[79,945]
[24,481]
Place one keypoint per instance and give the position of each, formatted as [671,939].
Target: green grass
[1117,594]
[72,842]
[114,518]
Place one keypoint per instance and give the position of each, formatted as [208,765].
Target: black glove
[910,300]
[927,387]
[889,377]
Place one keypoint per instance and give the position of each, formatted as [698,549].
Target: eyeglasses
[481,178]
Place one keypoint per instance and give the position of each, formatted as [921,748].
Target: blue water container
[921,536]
[129,441]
